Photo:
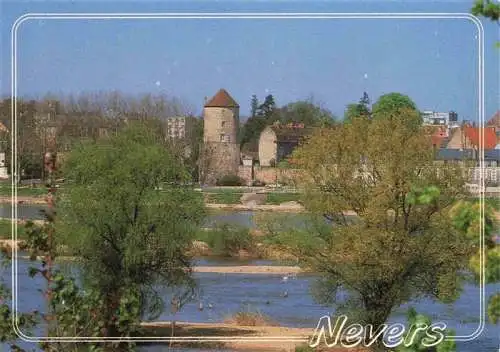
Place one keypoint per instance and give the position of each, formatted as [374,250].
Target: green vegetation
[247,317]
[6,190]
[226,240]
[224,197]
[404,245]
[128,237]
[418,345]
[281,197]
[6,230]
[230,180]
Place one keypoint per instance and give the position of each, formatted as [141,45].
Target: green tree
[130,237]
[393,105]
[361,109]
[265,115]
[306,112]
[486,8]
[254,106]
[400,246]
[468,219]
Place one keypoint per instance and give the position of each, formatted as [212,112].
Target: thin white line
[28,16]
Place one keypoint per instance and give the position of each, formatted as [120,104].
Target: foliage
[224,197]
[494,308]
[250,318]
[486,8]
[468,217]
[278,198]
[396,105]
[415,319]
[226,240]
[306,112]
[6,229]
[26,321]
[129,237]
[361,109]
[263,116]
[401,246]
[230,180]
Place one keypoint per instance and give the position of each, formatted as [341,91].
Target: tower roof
[222,100]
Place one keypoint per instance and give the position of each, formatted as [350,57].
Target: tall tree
[130,237]
[401,245]
[361,109]
[254,106]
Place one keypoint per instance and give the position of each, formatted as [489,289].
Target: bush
[258,183]
[225,197]
[230,180]
[278,198]
[249,318]
[227,241]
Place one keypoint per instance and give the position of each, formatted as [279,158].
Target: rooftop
[222,99]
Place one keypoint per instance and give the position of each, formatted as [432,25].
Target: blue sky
[332,60]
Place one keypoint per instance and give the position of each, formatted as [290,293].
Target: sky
[333,61]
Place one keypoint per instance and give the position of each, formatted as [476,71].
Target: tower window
[225,138]
[223,123]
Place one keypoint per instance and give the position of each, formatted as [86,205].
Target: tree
[486,8]
[393,105]
[306,112]
[130,237]
[361,109]
[401,245]
[467,219]
[254,106]
[265,115]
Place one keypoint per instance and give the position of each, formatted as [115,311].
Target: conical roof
[222,100]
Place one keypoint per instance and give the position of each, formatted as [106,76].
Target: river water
[230,293]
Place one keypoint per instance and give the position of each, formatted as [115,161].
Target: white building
[447,119]
[180,127]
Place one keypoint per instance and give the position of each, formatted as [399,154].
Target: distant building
[448,119]
[278,141]
[469,137]
[180,127]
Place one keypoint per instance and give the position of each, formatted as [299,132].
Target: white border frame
[193,15]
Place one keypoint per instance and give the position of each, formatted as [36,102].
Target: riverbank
[253,338]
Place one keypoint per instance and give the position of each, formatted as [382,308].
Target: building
[448,119]
[221,152]
[180,127]
[278,141]
[469,137]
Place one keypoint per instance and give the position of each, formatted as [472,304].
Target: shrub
[278,198]
[225,197]
[249,318]
[258,183]
[230,180]
[227,241]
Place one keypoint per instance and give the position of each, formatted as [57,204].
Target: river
[230,293]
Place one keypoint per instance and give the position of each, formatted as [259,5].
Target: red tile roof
[490,137]
[222,100]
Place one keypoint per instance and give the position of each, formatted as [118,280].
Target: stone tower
[221,155]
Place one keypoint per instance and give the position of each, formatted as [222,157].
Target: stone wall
[268,175]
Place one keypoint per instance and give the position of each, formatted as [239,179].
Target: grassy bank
[6,230]
[24,191]
[223,197]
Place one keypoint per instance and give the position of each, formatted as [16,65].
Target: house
[278,141]
[180,127]
[468,137]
